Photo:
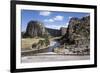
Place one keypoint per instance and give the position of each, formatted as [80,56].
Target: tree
[47,42]
[41,42]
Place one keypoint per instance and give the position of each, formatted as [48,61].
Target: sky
[51,19]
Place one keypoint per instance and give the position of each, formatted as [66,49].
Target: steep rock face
[78,31]
[35,28]
[63,30]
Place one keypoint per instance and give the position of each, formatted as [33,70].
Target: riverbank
[26,43]
[27,50]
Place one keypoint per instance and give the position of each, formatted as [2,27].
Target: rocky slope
[77,36]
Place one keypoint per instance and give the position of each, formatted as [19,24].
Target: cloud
[55,26]
[49,20]
[58,18]
[66,24]
[45,13]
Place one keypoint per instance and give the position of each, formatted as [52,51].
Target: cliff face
[63,30]
[35,28]
[78,31]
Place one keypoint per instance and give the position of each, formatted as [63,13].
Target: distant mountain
[54,32]
[78,31]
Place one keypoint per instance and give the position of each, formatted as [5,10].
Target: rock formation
[77,36]
[78,31]
[63,30]
[35,28]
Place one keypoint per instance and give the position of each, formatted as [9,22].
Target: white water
[53,44]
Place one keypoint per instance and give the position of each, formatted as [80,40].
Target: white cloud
[53,26]
[45,13]
[58,18]
[49,20]
[67,24]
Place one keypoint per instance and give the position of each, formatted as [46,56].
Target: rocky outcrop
[35,28]
[78,31]
[77,37]
[63,30]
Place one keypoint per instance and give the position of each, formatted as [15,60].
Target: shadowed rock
[78,31]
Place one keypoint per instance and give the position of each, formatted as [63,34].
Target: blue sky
[51,19]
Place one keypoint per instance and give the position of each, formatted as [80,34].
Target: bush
[47,42]
[34,45]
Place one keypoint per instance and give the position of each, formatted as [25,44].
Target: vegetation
[75,39]
[45,42]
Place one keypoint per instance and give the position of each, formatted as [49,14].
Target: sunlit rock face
[35,28]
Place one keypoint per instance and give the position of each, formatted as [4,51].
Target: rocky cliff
[35,28]
[63,30]
[78,31]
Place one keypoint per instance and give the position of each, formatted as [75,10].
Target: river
[53,44]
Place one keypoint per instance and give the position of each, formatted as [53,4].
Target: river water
[53,44]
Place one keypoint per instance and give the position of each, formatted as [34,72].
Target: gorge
[75,39]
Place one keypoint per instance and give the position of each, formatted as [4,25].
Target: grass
[27,42]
